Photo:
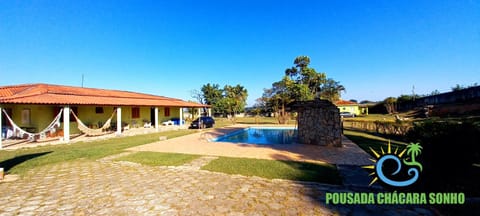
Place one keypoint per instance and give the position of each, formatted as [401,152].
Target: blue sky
[375,49]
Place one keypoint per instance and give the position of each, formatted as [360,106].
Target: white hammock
[93,132]
[19,132]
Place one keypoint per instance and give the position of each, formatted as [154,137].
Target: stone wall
[318,123]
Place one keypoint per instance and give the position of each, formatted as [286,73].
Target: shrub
[380,127]
[449,151]
[396,128]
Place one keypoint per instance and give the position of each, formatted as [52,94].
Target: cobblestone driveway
[107,188]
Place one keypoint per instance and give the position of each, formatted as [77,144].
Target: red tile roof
[69,95]
[345,103]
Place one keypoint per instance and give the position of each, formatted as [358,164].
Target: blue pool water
[262,136]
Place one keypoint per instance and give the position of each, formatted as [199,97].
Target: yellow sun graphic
[377,156]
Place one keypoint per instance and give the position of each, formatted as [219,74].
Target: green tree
[332,90]
[405,98]
[279,96]
[303,75]
[309,84]
[435,92]
[229,100]
[366,102]
[259,107]
[458,87]
[234,99]
[390,104]
[300,83]
[212,94]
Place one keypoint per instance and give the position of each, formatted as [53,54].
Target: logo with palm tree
[413,172]
[413,150]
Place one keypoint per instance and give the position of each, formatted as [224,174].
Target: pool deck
[200,144]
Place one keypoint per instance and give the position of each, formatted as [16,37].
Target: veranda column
[156,118]
[119,120]
[2,172]
[1,131]
[181,117]
[66,124]
[209,111]
[199,112]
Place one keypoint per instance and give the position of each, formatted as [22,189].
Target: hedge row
[450,150]
[381,127]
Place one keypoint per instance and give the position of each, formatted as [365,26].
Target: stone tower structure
[318,123]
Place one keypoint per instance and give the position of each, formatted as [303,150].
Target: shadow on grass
[350,154]
[312,172]
[12,162]
[398,138]
[370,140]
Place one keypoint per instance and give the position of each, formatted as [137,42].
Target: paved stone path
[110,188]
[113,157]
[356,177]
[198,163]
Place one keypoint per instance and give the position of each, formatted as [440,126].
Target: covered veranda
[38,112]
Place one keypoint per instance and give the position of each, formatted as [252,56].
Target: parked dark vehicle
[205,122]
[347,114]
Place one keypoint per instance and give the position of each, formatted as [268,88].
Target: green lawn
[273,169]
[159,158]
[22,160]
[222,122]
[367,140]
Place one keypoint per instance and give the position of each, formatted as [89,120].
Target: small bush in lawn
[449,151]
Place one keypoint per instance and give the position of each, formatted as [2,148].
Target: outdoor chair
[126,126]
[169,122]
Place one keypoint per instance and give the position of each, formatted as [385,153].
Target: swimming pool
[261,135]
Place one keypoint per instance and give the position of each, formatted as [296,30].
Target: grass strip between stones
[159,158]
[271,169]
[276,169]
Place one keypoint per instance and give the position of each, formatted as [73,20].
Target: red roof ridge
[20,85]
[112,90]
[50,88]
[50,93]
[24,90]
[344,102]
